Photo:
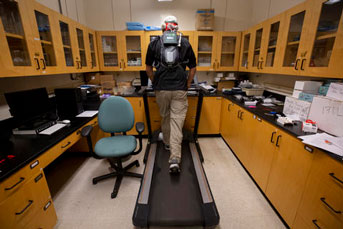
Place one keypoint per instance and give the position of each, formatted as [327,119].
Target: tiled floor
[79,204]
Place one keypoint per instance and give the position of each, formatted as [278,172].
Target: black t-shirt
[186,53]
[170,78]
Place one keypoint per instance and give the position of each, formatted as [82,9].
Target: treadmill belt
[175,199]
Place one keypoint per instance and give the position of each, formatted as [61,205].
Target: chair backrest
[116,115]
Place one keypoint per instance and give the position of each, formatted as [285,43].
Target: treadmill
[166,199]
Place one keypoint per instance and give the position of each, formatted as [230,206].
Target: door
[19,55]
[245,51]
[205,50]
[287,178]
[256,57]
[109,54]
[133,58]
[209,122]
[228,51]
[293,39]
[324,40]
[138,108]
[45,30]
[82,52]
[93,55]
[68,40]
[270,54]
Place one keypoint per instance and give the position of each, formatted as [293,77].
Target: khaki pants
[173,108]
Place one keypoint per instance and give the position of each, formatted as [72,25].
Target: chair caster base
[137,164]
[114,195]
[94,181]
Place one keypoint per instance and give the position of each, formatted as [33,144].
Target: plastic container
[253,91]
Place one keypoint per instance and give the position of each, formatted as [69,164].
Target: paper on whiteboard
[87,114]
[296,108]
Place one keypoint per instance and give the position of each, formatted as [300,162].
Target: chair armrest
[140,127]
[86,131]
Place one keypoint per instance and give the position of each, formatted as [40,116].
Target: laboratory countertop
[20,150]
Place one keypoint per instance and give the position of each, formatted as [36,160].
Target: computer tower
[68,102]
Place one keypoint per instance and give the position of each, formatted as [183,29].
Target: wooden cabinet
[205,50]
[209,121]
[323,43]
[228,51]
[258,37]
[22,208]
[287,178]
[138,108]
[93,51]
[121,51]
[322,202]
[245,53]
[191,113]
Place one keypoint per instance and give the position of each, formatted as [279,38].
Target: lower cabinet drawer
[316,223]
[18,210]
[45,217]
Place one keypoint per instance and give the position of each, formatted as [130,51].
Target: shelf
[231,53]
[293,43]
[245,51]
[81,49]
[326,36]
[257,50]
[272,47]
[46,42]
[15,36]
[204,52]
[67,46]
[133,52]
[110,52]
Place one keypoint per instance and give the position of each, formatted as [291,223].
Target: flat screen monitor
[25,105]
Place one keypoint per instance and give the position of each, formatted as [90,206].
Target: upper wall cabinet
[228,51]
[245,52]
[121,51]
[205,50]
[16,41]
[324,40]
[256,59]
[93,51]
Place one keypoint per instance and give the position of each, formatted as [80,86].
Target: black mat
[175,199]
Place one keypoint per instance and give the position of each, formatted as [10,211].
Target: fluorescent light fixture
[164,0]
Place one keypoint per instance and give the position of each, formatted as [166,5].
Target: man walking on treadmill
[170,54]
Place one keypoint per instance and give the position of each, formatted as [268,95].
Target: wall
[50,82]
[264,9]
[75,9]
[231,15]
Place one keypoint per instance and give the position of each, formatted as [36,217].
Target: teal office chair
[116,116]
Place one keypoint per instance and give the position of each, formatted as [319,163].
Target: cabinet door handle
[217,64]
[261,64]
[80,64]
[66,145]
[315,223]
[272,137]
[38,65]
[43,61]
[228,107]
[258,64]
[336,178]
[247,65]
[124,64]
[238,113]
[214,64]
[120,65]
[302,65]
[296,64]
[21,179]
[335,211]
[277,140]
[240,116]
[27,206]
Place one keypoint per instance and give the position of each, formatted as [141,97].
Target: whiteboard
[296,108]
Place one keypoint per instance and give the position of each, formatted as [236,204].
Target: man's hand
[191,76]
[150,72]
[188,84]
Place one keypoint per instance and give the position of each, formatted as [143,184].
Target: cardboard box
[204,19]
[328,113]
[307,85]
[335,91]
[107,84]
[225,84]
[296,108]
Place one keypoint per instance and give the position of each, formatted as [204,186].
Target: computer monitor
[25,105]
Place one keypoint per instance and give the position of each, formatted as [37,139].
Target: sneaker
[167,147]
[174,166]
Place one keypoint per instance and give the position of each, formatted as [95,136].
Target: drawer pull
[66,145]
[315,223]
[336,178]
[34,164]
[27,206]
[47,205]
[238,113]
[277,140]
[272,137]
[323,200]
[38,177]
[228,107]
[240,116]
[20,180]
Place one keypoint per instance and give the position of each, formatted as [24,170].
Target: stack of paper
[325,141]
